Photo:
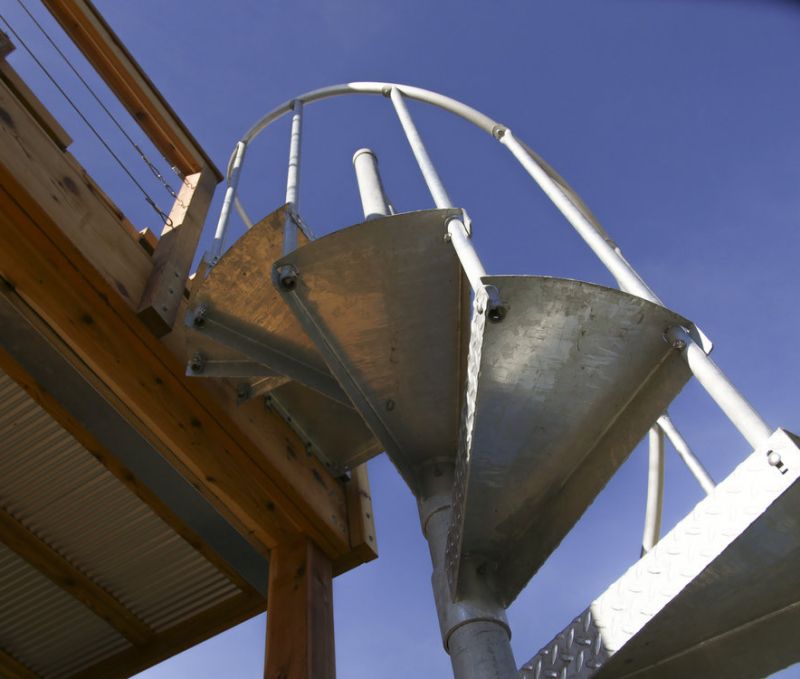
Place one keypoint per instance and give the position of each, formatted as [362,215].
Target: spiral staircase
[506,403]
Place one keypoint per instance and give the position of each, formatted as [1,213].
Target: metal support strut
[475,630]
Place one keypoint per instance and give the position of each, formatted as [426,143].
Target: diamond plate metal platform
[558,395]
[387,304]
[718,596]
[240,328]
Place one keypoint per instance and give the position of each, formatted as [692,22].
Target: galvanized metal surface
[45,628]
[558,394]
[374,203]
[322,425]
[718,596]
[386,303]
[69,500]
[474,629]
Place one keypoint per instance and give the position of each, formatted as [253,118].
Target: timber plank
[300,643]
[53,180]
[194,433]
[45,119]
[174,252]
[60,571]
[361,521]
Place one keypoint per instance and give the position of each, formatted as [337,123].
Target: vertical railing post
[230,194]
[655,490]
[293,178]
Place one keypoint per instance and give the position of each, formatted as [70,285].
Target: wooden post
[300,613]
[174,252]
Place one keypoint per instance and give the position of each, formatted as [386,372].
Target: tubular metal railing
[692,344]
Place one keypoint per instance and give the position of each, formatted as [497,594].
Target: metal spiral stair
[507,414]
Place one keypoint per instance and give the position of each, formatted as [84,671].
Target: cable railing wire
[151,166]
[83,117]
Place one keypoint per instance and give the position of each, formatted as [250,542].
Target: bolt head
[497,313]
[287,277]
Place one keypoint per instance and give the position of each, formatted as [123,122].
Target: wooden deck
[91,347]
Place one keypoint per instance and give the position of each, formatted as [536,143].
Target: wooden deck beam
[54,566]
[72,259]
[300,642]
[147,383]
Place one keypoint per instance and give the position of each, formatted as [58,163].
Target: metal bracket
[273,403]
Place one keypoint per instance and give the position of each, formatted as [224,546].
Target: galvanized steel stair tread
[558,394]
[244,323]
[719,595]
[388,306]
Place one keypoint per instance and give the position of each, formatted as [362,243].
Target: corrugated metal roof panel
[67,498]
[46,628]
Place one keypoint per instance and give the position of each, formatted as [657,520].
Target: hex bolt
[497,313]
[775,460]
[199,319]
[287,277]
[678,344]
[198,363]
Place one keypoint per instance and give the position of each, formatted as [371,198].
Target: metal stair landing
[387,304]
[558,394]
[718,596]
[240,328]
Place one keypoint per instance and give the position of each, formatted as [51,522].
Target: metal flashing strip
[43,362]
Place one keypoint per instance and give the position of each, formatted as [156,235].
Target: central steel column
[475,630]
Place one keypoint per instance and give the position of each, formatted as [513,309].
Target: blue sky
[678,121]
